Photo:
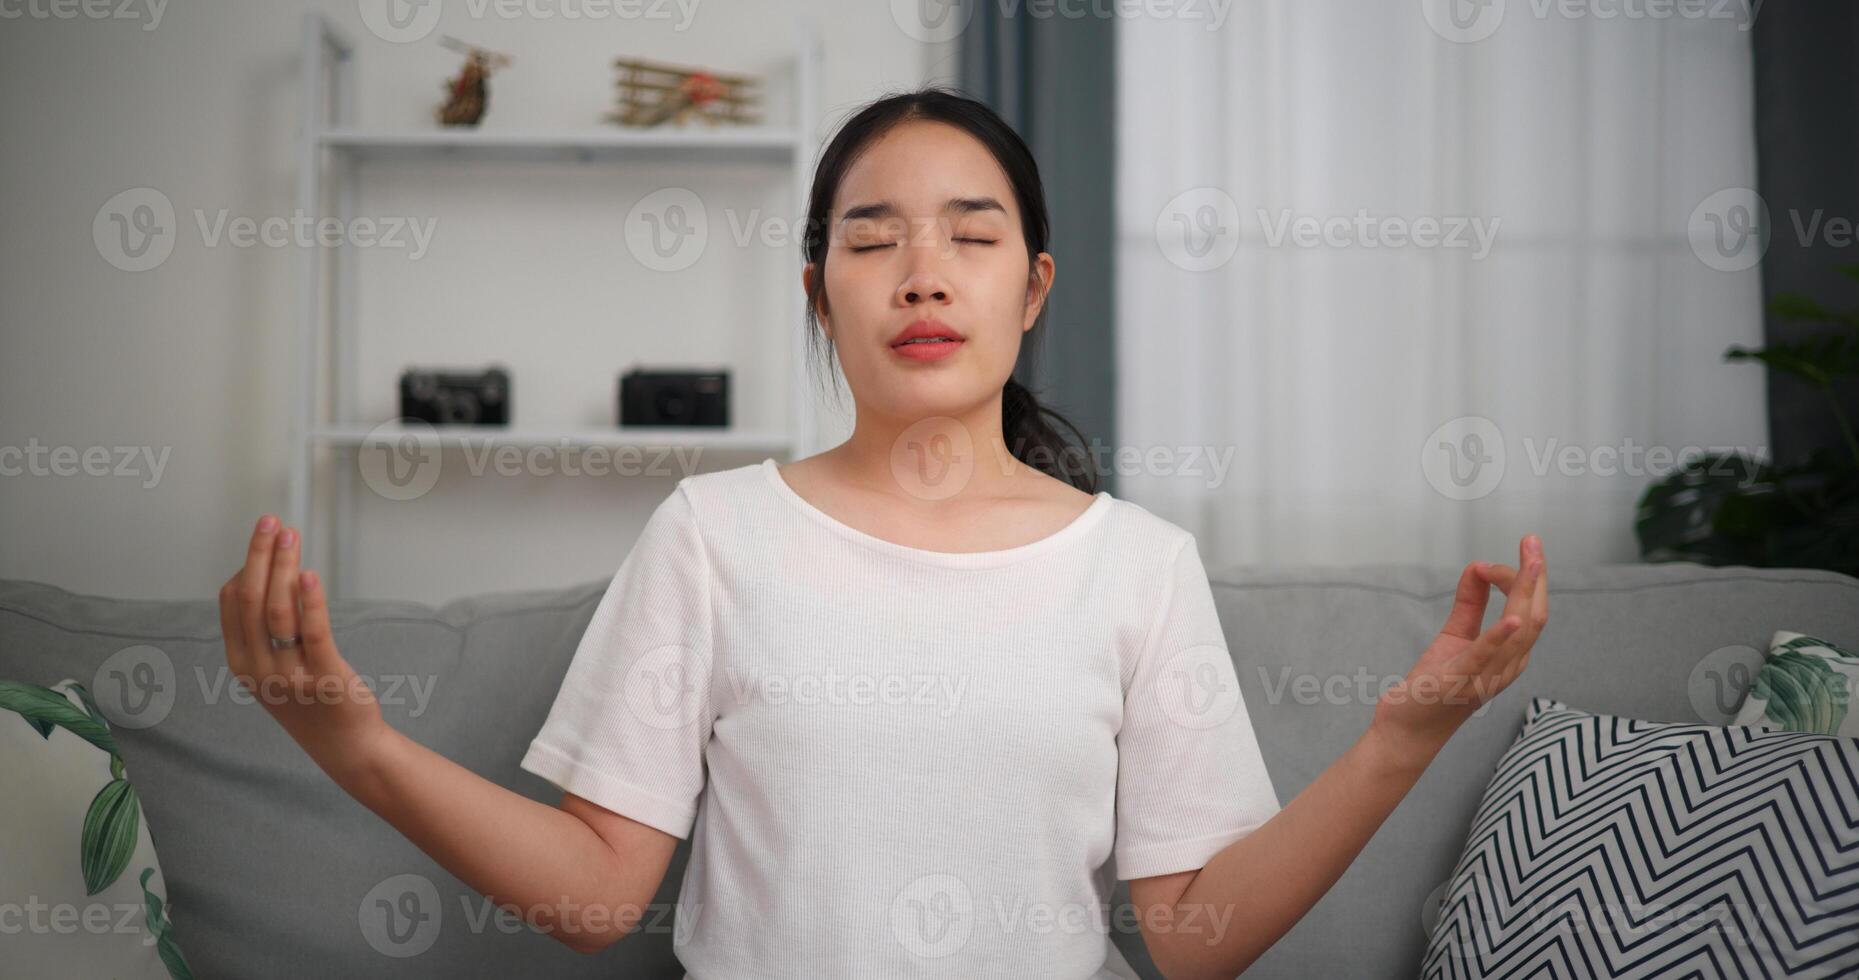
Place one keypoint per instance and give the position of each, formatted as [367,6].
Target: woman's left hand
[1462,669]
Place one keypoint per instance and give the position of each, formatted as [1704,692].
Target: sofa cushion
[1625,848]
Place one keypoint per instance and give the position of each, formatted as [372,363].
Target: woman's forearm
[542,863]
[1253,892]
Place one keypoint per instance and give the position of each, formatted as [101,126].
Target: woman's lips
[927,350]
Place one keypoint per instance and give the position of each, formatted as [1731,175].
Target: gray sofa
[273,871]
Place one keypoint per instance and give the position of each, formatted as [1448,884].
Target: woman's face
[925,227]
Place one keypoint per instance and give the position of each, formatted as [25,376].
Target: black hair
[1029,436]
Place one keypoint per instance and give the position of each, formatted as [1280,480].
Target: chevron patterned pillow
[1613,847]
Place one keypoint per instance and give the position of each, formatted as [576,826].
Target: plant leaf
[111,827]
[1797,307]
[42,704]
[162,929]
[1818,359]
[90,703]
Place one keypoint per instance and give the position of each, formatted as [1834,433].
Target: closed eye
[975,241]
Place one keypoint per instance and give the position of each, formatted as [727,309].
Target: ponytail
[1035,442]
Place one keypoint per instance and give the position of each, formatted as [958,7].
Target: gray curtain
[1807,150]
[1053,79]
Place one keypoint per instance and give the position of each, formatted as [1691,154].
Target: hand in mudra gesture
[275,619]
[1464,668]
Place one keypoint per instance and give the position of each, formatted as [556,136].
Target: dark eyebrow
[955,205]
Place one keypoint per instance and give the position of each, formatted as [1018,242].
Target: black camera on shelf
[690,398]
[456,397]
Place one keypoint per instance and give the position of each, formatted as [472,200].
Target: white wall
[191,362]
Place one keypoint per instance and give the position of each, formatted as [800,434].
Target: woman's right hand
[311,691]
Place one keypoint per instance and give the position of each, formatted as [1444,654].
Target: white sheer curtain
[1590,325]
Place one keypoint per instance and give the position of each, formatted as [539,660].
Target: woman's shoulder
[705,498]
[1136,528]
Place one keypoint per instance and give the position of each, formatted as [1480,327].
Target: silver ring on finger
[285,642]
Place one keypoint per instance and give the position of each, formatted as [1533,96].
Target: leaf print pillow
[81,868]
[1806,684]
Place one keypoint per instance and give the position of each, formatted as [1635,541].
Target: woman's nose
[921,285]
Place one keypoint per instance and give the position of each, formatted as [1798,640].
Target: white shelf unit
[331,152]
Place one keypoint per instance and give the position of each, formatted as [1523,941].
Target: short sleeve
[628,727]
[1190,776]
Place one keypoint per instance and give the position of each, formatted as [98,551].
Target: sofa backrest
[274,872]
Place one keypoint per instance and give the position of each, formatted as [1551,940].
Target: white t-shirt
[906,763]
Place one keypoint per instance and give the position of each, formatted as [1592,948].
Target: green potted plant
[1732,509]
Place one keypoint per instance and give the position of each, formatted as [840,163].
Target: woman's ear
[1038,287]
[819,309]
